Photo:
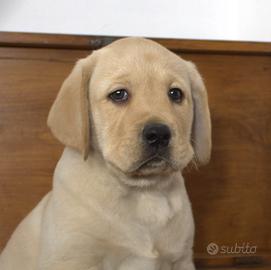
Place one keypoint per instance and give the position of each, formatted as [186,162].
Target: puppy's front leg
[139,263]
[69,266]
[185,262]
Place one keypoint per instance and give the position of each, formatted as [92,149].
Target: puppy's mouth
[152,165]
[152,162]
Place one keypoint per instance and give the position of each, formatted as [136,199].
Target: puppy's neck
[95,169]
[92,184]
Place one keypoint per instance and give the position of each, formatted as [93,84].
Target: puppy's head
[143,108]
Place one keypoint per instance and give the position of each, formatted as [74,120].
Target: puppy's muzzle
[156,137]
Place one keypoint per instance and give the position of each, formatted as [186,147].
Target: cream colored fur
[105,212]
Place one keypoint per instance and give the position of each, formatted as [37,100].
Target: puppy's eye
[176,94]
[119,96]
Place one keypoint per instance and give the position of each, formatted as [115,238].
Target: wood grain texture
[230,197]
[86,42]
[29,82]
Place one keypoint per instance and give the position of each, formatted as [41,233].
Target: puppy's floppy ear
[68,118]
[201,129]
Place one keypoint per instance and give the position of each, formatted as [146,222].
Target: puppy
[132,115]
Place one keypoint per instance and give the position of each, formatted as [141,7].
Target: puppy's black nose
[156,135]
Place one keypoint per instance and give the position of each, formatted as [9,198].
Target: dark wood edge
[81,42]
[261,260]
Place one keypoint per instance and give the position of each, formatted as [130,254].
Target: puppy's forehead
[135,44]
[137,53]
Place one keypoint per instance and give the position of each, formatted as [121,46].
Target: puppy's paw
[184,266]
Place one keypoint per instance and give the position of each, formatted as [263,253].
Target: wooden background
[231,197]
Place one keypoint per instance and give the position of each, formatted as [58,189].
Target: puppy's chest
[155,209]
[152,220]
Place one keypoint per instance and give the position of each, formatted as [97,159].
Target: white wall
[192,19]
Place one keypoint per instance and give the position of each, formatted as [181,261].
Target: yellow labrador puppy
[132,115]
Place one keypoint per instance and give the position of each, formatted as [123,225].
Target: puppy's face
[142,109]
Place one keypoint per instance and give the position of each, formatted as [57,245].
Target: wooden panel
[95,42]
[230,196]
[29,82]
